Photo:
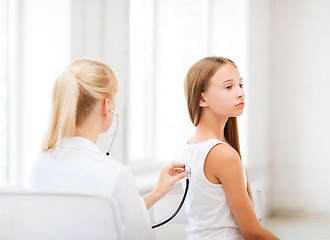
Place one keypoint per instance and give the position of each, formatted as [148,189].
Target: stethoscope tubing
[115,132]
[178,209]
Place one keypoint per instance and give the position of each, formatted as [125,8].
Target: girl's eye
[228,87]
[241,85]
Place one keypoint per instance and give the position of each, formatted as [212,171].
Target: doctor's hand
[169,175]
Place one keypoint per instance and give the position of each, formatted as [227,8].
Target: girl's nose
[241,93]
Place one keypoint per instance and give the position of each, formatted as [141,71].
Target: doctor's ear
[202,101]
[106,106]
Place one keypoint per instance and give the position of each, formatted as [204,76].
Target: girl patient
[219,204]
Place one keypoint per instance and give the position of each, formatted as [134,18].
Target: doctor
[83,106]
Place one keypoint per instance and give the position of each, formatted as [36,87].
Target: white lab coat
[80,166]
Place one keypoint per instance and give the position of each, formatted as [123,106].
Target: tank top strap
[212,142]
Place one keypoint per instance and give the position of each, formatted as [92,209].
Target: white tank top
[207,210]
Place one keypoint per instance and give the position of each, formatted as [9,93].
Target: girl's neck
[209,127]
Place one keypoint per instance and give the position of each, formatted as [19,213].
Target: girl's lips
[241,105]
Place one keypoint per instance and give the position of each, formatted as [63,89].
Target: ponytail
[74,95]
[63,120]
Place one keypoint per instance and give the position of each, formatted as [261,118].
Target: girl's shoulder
[223,165]
[224,150]
[223,154]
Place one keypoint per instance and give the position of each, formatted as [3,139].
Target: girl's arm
[223,165]
[168,176]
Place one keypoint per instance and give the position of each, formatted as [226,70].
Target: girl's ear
[202,101]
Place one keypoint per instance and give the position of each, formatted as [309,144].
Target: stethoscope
[115,132]
[186,170]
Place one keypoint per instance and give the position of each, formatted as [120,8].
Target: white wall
[289,97]
[258,100]
[299,118]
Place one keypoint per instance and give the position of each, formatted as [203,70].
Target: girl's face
[225,95]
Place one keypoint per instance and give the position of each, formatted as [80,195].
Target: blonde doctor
[83,107]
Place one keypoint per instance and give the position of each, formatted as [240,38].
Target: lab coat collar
[80,143]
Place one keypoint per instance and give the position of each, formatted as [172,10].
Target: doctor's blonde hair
[74,95]
[197,82]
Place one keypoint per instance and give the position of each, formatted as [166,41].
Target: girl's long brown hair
[196,82]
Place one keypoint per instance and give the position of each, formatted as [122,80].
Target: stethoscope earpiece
[116,114]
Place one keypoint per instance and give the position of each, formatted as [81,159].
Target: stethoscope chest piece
[187,170]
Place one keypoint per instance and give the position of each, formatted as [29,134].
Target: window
[3,91]
[161,39]
[34,49]
[166,38]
